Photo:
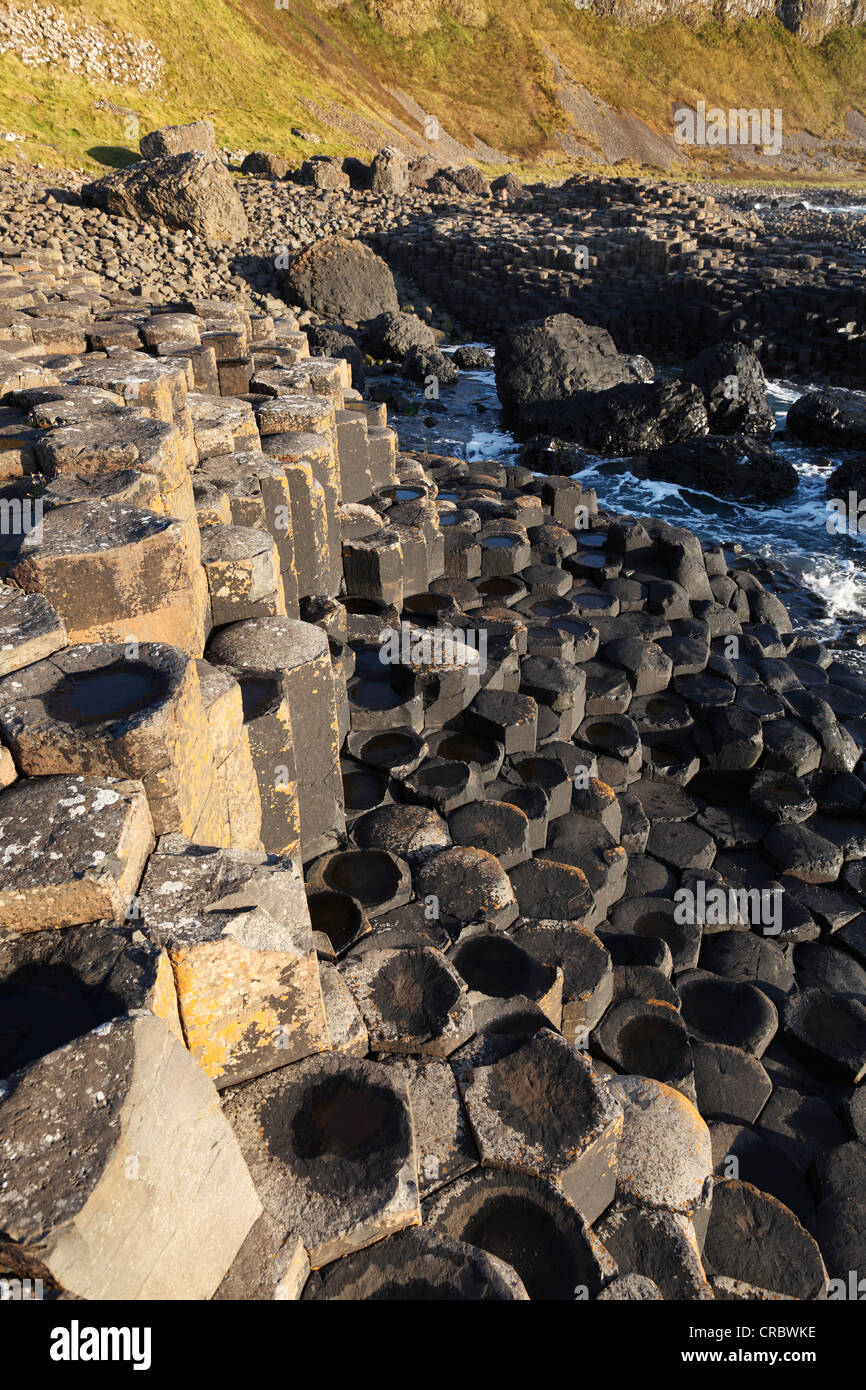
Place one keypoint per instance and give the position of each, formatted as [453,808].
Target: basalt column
[292,659]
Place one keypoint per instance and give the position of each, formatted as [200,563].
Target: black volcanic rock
[732,466]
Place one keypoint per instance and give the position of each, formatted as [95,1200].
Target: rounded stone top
[268,644]
[665,1154]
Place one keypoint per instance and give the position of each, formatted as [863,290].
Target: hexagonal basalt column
[243,574]
[91,709]
[237,931]
[130,440]
[540,1109]
[418,1264]
[73,850]
[57,985]
[412,1000]
[30,629]
[331,1148]
[293,657]
[529,1224]
[114,573]
[147,1197]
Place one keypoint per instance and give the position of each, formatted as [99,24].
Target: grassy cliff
[487,74]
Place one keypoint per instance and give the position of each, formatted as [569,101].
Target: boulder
[733,466]
[830,416]
[389,172]
[420,363]
[541,365]
[323,171]
[636,416]
[468,180]
[191,191]
[342,279]
[509,184]
[732,380]
[333,340]
[195,138]
[421,170]
[265,166]
[393,335]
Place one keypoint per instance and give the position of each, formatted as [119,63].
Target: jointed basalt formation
[415,881]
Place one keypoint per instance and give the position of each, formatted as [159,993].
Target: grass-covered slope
[257,70]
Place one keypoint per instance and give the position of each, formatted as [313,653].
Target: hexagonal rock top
[74,849]
[418,1264]
[471,886]
[541,1110]
[752,1237]
[119,1177]
[665,1155]
[330,1144]
[528,1223]
[412,1000]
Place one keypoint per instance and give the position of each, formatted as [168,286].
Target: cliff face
[809,19]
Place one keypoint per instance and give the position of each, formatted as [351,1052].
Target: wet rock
[732,380]
[736,466]
[540,366]
[423,1266]
[830,415]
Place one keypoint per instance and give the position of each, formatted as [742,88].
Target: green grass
[250,68]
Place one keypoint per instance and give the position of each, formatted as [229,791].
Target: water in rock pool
[820,576]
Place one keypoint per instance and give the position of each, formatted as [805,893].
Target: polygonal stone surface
[753,1237]
[658,1245]
[412,1000]
[73,850]
[830,1030]
[541,1110]
[147,1197]
[236,927]
[58,985]
[529,1224]
[470,885]
[331,1148]
[418,1265]
[270,1266]
[445,1146]
[665,1156]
